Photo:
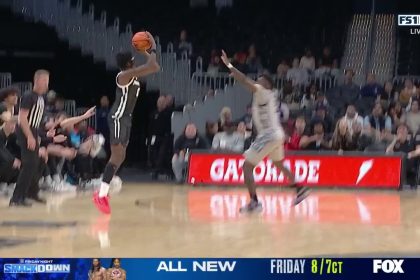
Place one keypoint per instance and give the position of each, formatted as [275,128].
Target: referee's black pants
[28,176]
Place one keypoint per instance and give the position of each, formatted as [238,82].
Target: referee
[30,117]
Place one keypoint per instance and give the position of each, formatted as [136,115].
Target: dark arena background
[346,85]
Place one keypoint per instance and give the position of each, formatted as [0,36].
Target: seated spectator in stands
[282,69]
[371,89]
[102,121]
[214,65]
[59,105]
[349,91]
[208,94]
[316,139]
[170,102]
[335,70]
[388,94]
[9,164]
[211,129]
[407,93]
[243,131]
[376,132]
[247,118]
[342,140]
[50,104]
[352,119]
[225,116]
[253,61]
[293,142]
[184,45]
[324,63]
[239,61]
[9,98]
[309,98]
[159,140]
[403,143]
[188,141]
[229,140]
[377,121]
[412,117]
[297,75]
[321,99]
[307,61]
[396,113]
[322,115]
[284,112]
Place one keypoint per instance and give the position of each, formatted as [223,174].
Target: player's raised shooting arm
[150,67]
[238,75]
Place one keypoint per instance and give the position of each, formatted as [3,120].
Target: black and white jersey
[125,99]
[35,104]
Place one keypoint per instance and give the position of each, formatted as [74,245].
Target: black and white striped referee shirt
[35,103]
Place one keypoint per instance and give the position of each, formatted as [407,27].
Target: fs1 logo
[388,266]
[408,20]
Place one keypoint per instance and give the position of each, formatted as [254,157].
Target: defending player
[270,139]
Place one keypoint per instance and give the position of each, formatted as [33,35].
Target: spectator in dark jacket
[188,141]
[159,139]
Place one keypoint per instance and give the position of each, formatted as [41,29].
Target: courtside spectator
[342,140]
[102,127]
[293,142]
[9,164]
[309,98]
[412,117]
[9,98]
[253,61]
[211,129]
[159,137]
[188,141]
[352,118]
[229,140]
[184,45]
[307,62]
[403,143]
[322,115]
[225,116]
[317,139]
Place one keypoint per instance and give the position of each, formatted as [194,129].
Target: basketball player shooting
[120,117]
[270,139]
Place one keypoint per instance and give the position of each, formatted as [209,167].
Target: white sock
[104,189]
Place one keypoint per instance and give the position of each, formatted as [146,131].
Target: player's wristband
[230,66]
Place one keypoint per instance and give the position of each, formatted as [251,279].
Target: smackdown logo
[36,268]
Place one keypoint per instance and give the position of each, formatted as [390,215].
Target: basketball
[141,41]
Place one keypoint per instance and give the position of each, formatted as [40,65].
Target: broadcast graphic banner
[312,170]
[220,269]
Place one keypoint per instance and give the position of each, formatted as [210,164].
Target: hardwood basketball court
[183,221]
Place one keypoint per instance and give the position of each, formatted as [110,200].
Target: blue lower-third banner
[274,268]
